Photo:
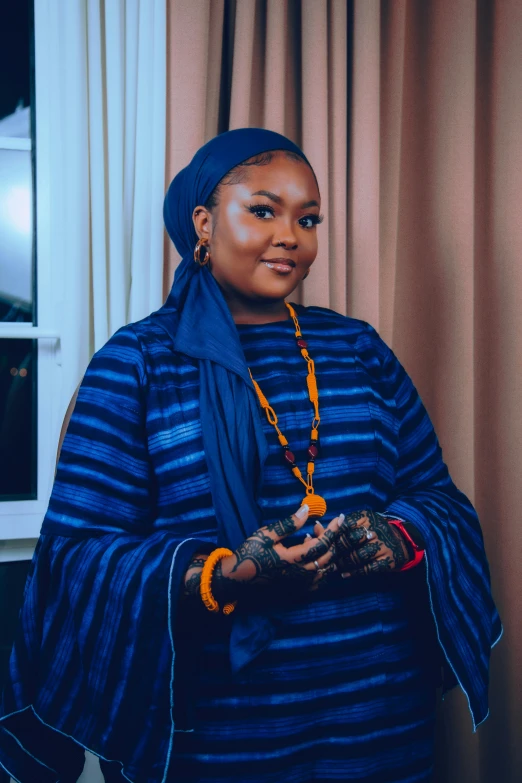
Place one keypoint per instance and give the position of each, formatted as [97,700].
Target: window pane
[16,236]
[18,419]
[15,67]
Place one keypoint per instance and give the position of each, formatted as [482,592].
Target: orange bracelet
[206,579]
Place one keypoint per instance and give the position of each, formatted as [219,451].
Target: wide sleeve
[93,664]
[466,619]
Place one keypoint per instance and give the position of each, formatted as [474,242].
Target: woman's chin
[275,292]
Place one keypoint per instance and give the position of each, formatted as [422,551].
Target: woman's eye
[311,220]
[264,211]
[261,211]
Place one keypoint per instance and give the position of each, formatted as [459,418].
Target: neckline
[299,309]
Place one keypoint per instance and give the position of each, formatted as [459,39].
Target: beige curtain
[435,264]
[275,64]
[411,114]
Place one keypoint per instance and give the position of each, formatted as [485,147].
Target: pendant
[316,504]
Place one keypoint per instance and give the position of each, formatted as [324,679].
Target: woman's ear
[202,222]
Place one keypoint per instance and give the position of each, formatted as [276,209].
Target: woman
[193,431]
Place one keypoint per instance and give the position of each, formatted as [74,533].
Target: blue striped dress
[107,659]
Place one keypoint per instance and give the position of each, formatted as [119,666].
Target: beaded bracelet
[207,573]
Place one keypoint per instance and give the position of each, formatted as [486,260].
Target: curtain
[105,134]
[410,112]
[434,263]
[275,64]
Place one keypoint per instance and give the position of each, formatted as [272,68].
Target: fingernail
[345,576]
[341,518]
[303,511]
[308,535]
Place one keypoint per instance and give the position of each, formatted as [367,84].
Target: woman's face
[271,215]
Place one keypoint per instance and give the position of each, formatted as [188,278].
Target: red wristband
[418,552]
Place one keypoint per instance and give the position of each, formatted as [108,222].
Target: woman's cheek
[242,234]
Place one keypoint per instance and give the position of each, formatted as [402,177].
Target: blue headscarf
[203,328]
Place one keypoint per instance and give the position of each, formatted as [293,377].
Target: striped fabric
[101,644]
[345,692]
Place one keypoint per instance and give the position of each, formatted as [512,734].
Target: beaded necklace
[316,503]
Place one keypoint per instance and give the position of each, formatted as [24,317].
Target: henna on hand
[368,544]
[320,548]
[192,583]
[262,559]
[259,551]
[193,576]
[223,588]
[325,576]
[364,554]
[283,527]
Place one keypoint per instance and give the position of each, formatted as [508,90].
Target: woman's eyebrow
[279,200]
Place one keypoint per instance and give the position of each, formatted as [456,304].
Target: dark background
[15,54]
[15,85]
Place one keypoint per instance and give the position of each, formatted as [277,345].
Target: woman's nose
[286,237]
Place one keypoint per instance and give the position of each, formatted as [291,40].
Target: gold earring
[197,252]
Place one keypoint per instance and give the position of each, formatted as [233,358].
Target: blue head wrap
[203,328]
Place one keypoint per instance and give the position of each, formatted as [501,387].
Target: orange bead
[316,504]
[312,387]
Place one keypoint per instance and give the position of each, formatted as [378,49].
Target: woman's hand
[368,544]
[262,559]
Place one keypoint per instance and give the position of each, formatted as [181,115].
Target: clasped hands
[358,544]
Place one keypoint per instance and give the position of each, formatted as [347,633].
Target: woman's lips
[280,266]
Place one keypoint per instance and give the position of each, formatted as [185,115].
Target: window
[18,387]
[27,350]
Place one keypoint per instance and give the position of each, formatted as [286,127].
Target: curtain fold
[410,113]
[283,67]
[436,160]
[127,120]
[108,153]
[194,54]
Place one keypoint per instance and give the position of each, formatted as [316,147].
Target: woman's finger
[357,517]
[323,574]
[314,548]
[355,536]
[320,564]
[285,527]
[319,527]
[364,554]
[379,566]
[319,547]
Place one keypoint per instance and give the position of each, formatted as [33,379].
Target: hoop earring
[197,252]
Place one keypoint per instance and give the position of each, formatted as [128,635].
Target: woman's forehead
[284,178]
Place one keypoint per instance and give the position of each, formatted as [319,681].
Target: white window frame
[21,520]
